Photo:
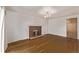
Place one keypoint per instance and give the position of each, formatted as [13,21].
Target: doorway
[72,34]
[72,28]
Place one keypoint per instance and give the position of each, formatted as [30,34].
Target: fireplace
[34,31]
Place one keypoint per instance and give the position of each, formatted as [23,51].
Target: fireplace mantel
[34,31]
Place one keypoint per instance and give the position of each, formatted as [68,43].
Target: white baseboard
[36,36]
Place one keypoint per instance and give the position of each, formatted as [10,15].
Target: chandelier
[47,12]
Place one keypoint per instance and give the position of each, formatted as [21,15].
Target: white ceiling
[61,10]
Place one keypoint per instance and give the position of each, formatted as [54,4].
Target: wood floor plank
[44,44]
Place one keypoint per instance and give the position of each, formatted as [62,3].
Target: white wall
[57,26]
[18,25]
[5,34]
[3,41]
[0,28]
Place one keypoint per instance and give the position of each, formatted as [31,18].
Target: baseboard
[37,36]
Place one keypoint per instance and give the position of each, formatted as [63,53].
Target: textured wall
[18,25]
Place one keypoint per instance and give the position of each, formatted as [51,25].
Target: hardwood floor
[45,44]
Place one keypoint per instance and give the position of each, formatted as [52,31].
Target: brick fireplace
[34,31]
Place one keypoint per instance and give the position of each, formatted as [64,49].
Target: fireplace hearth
[34,31]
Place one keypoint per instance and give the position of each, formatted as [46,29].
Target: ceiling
[61,10]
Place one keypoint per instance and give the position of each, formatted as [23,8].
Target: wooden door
[72,28]
[72,34]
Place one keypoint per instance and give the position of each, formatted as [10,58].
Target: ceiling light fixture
[47,12]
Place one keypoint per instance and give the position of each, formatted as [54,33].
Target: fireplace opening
[34,31]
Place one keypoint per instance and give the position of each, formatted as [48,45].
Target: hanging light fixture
[47,12]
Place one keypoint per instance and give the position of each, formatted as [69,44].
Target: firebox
[34,31]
